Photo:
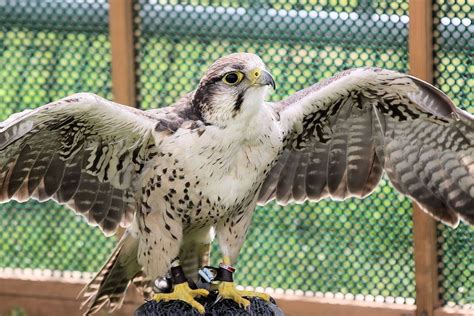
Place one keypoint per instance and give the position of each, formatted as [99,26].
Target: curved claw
[183,293]
[263,296]
[227,290]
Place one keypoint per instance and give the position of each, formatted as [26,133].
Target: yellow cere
[254,74]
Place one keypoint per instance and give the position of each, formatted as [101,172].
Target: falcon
[177,176]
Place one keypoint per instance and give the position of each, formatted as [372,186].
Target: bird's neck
[250,126]
[232,160]
[229,110]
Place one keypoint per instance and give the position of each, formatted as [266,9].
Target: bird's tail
[109,285]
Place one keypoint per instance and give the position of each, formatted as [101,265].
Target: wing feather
[41,165]
[284,187]
[316,188]
[338,151]
[70,184]
[268,190]
[101,206]
[26,159]
[54,175]
[82,151]
[86,193]
[343,132]
[299,181]
[114,214]
[361,151]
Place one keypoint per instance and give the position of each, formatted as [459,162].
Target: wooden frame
[420,42]
[123,57]
[44,296]
[50,296]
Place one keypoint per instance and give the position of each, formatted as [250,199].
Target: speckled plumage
[177,176]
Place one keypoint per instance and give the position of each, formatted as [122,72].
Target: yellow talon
[228,291]
[183,293]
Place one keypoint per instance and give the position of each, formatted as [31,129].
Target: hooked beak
[267,79]
[260,77]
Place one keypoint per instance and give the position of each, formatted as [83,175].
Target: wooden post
[424,226]
[426,265]
[420,39]
[123,59]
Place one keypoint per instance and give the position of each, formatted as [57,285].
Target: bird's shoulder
[181,114]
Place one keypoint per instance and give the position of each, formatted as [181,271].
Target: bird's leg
[181,289]
[227,289]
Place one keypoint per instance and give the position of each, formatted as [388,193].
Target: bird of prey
[176,176]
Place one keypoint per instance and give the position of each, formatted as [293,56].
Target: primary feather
[82,151]
[365,120]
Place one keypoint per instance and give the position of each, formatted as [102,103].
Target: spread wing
[341,134]
[82,151]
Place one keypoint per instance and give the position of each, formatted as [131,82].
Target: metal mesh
[49,49]
[453,59]
[353,248]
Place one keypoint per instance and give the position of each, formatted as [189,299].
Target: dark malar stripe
[238,102]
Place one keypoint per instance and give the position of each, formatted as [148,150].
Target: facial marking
[231,87]
[238,102]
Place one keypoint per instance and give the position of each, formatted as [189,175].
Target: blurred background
[356,250]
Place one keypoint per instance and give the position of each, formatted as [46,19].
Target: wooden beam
[123,56]
[123,60]
[453,311]
[426,267]
[43,295]
[57,296]
[420,39]
[52,296]
[424,226]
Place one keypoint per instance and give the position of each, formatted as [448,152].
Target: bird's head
[234,86]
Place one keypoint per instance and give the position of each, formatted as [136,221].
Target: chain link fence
[49,49]
[357,249]
[453,65]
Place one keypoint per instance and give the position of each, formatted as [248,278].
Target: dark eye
[232,78]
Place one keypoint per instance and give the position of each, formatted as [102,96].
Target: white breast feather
[229,161]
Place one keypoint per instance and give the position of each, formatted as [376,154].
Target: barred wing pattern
[82,151]
[341,134]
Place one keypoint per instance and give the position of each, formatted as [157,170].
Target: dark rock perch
[214,307]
